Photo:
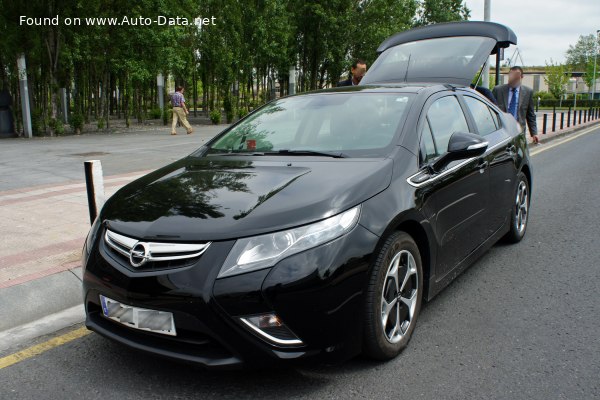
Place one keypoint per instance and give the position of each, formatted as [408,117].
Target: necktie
[512,106]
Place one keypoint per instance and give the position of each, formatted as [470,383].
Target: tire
[386,335]
[519,214]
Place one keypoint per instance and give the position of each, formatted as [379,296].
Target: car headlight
[258,252]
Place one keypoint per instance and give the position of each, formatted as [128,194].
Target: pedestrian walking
[180,111]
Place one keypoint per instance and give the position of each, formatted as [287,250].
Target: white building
[534,79]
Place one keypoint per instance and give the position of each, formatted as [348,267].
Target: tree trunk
[52,41]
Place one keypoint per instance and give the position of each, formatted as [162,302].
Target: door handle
[482,165]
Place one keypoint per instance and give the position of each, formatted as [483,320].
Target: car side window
[483,116]
[446,117]
[428,151]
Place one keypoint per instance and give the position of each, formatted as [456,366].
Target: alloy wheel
[399,296]
[522,207]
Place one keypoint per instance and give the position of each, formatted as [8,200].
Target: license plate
[138,318]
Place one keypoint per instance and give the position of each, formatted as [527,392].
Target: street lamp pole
[487,7]
[595,57]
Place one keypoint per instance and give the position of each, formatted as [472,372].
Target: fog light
[271,328]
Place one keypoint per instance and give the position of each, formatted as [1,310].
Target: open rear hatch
[443,53]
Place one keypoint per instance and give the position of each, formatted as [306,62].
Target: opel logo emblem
[139,254]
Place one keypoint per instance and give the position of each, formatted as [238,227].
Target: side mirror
[461,146]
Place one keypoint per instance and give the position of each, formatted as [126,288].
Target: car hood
[219,198]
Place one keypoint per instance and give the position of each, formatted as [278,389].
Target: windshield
[357,124]
[449,59]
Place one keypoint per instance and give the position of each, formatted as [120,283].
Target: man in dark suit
[359,69]
[517,100]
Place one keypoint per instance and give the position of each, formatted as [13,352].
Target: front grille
[142,255]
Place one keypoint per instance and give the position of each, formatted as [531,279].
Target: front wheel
[519,215]
[393,298]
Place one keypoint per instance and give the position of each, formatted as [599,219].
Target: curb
[22,335]
[41,298]
[552,137]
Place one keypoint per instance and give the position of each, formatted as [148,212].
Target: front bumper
[317,293]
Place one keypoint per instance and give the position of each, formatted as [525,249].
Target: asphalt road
[521,323]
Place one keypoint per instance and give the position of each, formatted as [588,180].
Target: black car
[315,227]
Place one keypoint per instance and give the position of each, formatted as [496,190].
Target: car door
[500,156]
[460,190]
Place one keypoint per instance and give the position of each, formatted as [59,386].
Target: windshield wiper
[235,153]
[308,153]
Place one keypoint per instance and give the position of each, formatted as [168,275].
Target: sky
[544,28]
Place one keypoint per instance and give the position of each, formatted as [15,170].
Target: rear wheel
[393,298]
[519,215]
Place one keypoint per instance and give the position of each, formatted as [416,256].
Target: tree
[375,21]
[436,11]
[110,69]
[323,32]
[556,78]
[578,55]
[590,74]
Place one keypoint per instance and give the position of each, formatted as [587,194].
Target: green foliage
[76,121]
[253,43]
[229,109]
[581,53]
[435,11]
[581,102]
[155,113]
[215,116]
[57,126]
[230,115]
[543,96]
[242,112]
[37,123]
[556,78]
[492,81]
[100,123]
[373,22]
[591,73]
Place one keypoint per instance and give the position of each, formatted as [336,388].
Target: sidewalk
[44,218]
[43,228]
[559,132]
[38,213]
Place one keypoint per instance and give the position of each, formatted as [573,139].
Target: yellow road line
[42,347]
[565,140]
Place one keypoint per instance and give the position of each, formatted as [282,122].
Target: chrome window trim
[285,342]
[123,245]
[457,166]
